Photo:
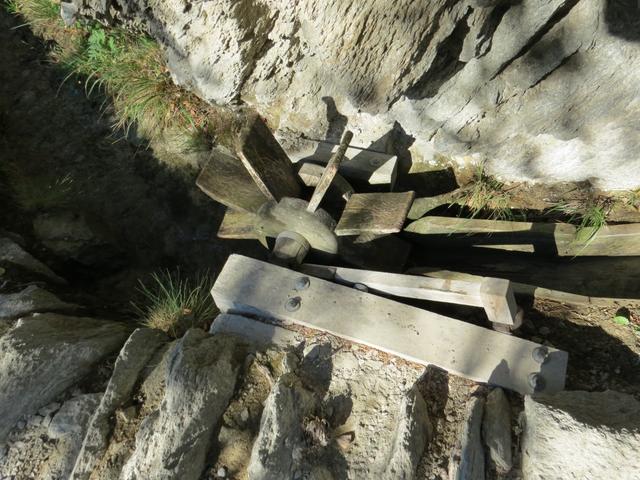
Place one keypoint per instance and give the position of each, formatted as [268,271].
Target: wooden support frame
[251,287]
[495,295]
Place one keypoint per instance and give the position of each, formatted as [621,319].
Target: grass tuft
[588,219]
[35,12]
[173,303]
[487,196]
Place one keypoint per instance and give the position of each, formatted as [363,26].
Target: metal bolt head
[292,304]
[536,382]
[302,283]
[540,354]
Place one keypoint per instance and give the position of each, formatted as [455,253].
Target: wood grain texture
[266,161]
[237,224]
[375,213]
[547,238]
[251,287]
[225,179]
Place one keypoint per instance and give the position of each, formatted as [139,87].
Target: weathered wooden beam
[225,179]
[252,287]
[310,174]
[361,164]
[495,295]
[553,238]
[375,213]
[266,161]
[330,171]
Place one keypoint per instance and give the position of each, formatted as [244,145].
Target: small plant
[589,219]
[173,303]
[487,195]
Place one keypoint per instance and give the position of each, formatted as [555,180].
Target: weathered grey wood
[410,286]
[266,161]
[290,248]
[374,213]
[290,214]
[527,289]
[252,287]
[558,238]
[310,174]
[329,173]
[372,167]
[237,224]
[495,295]
[226,180]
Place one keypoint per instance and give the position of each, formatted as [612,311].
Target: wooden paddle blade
[238,225]
[375,213]
[225,179]
[266,161]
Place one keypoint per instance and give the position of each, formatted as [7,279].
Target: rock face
[130,362]
[575,435]
[467,459]
[30,300]
[43,355]
[200,379]
[496,430]
[543,90]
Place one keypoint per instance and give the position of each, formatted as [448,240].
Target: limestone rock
[133,357]
[43,355]
[173,441]
[412,432]
[467,460]
[13,253]
[31,300]
[68,427]
[576,435]
[277,450]
[526,86]
[496,430]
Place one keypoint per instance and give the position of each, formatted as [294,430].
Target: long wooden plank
[252,287]
[527,289]
[558,238]
[374,213]
[266,161]
[493,294]
[225,179]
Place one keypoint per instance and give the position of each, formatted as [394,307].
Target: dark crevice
[445,64]
[550,72]
[485,36]
[553,20]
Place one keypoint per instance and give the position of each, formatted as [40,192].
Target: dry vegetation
[129,68]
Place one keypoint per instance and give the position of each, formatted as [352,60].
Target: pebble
[244,415]
[222,472]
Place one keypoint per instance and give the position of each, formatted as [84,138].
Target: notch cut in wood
[251,287]
[375,213]
[494,295]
